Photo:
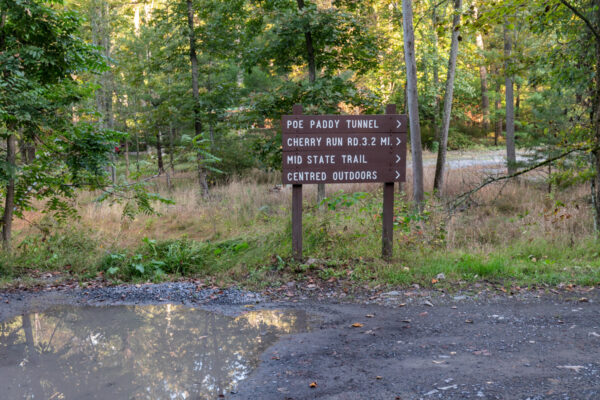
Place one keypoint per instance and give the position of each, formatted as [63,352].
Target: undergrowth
[519,236]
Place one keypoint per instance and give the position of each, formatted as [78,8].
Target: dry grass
[499,215]
[512,231]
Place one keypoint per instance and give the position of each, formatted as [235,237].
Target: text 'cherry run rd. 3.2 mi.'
[344,148]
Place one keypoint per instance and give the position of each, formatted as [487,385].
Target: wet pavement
[135,352]
[209,344]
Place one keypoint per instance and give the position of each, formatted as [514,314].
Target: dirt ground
[400,346]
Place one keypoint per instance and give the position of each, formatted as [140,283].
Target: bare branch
[463,197]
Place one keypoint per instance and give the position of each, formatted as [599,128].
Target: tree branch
[582,17]
[463,197]
[428,10]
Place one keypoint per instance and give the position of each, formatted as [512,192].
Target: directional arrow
[399,123]
[397,174]
[398,158]
[398,141]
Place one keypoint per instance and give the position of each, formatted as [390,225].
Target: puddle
[130,352]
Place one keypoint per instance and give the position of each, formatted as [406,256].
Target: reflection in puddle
[149,352]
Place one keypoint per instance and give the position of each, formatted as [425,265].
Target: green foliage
[73,253]
[344,48]
[41,55]
[342,199]
[135,197]
[154,259]
[341,38]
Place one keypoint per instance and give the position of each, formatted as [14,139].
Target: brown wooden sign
[344,166]
[339,141]
[344,149]
[337,157]
[344,123]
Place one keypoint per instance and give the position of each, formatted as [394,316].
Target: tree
[511,158]
[197,120]
[485,100]
[333,47]
[438,182]
[413,102]
[312,77]
[41,56]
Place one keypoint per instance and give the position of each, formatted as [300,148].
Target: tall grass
[515,231]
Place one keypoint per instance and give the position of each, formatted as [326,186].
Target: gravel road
[452,347]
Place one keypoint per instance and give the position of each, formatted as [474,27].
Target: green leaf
[112,270]
[139,267]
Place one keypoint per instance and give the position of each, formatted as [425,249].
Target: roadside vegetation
[516,233]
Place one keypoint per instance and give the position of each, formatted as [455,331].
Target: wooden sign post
[344,149]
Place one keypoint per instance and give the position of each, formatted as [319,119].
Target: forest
[141,140]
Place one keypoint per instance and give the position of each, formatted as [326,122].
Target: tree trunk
[197,121]
[126,159]
[310,51]
[106,93]
[312,77]
[596,128]
[511,158]
[405,99]
[518,102]
[497,117]
[438,182]
[30,152]
[27,150]
[137,152]
[159,158]
[413,102]
[436,74]
[485,100]
[211,128]
[9,201]
[171,151]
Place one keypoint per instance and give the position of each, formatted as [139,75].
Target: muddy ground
[412,344]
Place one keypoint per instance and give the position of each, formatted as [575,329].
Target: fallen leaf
[313,385]
[594,334]
[468,321]
[379,377]
[583,300]
[575,368]
[438,362]
[357,325]
[434,281]
[369,315]
[402,305]
[423,314]
[455,386]
[428,303]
